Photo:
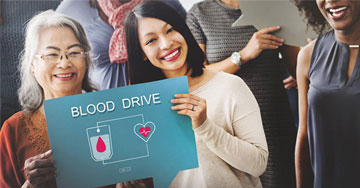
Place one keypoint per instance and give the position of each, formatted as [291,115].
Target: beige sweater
[231,144]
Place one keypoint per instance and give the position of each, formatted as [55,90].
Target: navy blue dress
[334,115]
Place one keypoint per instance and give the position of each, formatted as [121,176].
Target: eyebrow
[58,49]
[151,33]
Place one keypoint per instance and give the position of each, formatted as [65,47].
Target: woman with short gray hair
[55,63]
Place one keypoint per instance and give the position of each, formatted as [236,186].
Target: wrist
[244,56]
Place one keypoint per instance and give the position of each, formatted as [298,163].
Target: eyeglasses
[74,57]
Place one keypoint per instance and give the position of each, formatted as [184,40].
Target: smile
[336,12]
[172,55]
[64,75]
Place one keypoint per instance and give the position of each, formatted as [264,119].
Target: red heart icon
[145,131]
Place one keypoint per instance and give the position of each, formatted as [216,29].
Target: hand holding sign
[266,13]
[261,40]
[192,106]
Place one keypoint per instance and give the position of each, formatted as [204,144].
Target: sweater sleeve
[246,150]
[10,173]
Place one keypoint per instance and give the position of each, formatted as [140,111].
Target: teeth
[64,75]
[171,55]
[337,10]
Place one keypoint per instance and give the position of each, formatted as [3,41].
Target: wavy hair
[313,15]
[141,70]
[31,94]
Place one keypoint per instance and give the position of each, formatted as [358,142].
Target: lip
[171,52]
[65,76]
[336,12]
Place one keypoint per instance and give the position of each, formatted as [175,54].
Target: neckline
[226,7]
[199,89]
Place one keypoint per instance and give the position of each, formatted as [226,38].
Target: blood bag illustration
[100,142]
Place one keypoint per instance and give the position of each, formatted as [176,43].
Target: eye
[52,55]
[74,53]
[170,30]
[150,41]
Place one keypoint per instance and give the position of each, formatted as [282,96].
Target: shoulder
[11,126]
[233,85]
[201,7]
[304,59]
[14,119]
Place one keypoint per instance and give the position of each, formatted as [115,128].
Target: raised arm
[304,174]
[259,41]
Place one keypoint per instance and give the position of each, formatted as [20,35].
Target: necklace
[354,46]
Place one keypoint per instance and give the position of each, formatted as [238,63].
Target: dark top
[210,22]
[333,115]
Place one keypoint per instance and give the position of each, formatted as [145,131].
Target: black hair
[141,70]
[313,15]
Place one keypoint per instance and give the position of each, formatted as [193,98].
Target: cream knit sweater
[231,144]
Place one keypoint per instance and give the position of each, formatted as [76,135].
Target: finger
[39,163]
[45,155]
[272,38]
[288,80]
[187,112]
[185,100]
[138,183]
[309,40]
[190,96]
[120,185]
[290,85]
[269,29]
[40,172]
[183,107]
[128,185]
[36,181]
[269,46]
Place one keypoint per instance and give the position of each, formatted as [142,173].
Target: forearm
[246,153]
[304,173]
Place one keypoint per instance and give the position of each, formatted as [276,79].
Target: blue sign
[120,134]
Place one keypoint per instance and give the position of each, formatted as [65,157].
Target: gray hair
[31,94]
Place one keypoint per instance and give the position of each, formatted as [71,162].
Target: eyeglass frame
[61,56]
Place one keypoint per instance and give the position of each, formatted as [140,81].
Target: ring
[192,109]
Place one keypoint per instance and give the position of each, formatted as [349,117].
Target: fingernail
[172,100]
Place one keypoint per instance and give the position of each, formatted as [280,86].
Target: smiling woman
[328,71]
[53,64]
[230,139]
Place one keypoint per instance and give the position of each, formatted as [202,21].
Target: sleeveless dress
[334,115]
[210,22]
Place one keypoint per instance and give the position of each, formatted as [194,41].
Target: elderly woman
[55,63]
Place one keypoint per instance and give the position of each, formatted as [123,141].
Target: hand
[132,184]
[309,40]
[260,41]
[289,82]
[192,106]
[40,171]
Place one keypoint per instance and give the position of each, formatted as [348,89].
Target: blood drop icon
[100,145]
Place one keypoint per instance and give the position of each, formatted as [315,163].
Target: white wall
[187,4]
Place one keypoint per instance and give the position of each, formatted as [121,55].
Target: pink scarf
[117,12]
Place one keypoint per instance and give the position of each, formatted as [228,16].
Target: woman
[54,63]
[253,56]
[230,140]
[328,144]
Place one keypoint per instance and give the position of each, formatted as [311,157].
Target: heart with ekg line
[144,131]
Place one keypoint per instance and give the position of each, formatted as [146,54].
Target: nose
[165,43]
[64,62]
